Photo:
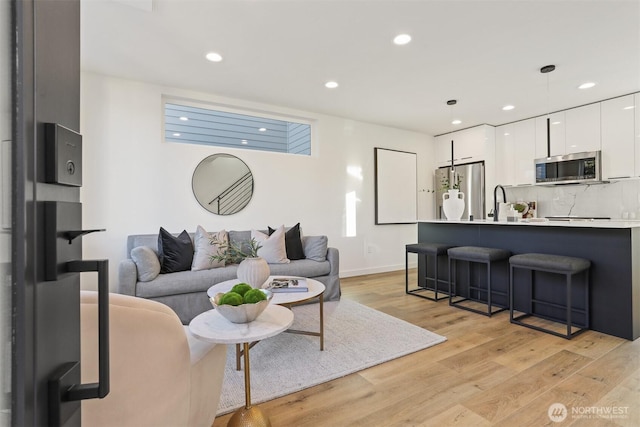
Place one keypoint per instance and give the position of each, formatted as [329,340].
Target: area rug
[355,337]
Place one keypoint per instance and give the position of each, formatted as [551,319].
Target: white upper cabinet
[524,152]
[637,132]
[515,153]
[582,129]
[443,150]
[505,145]
[558,135]
[619,151]
[469,145]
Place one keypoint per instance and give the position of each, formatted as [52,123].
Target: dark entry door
[46,210]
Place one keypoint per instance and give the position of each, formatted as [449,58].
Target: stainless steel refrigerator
[471,179]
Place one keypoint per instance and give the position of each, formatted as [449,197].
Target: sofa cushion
[205,248]
[292,242]
[175,253]
[315,247]
[302,268]
[147,263]
[273,248]
[185,282]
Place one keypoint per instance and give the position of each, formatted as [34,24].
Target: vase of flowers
[252,269]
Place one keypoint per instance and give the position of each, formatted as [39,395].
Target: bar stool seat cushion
[557,263]
[478,254]
[428,248]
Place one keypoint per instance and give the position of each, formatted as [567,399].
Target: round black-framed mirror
[222,184]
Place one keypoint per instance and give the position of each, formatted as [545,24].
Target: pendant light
[546,70]
[452,173]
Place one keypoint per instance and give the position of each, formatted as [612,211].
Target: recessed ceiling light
[507,134]
[262,129]
[402,39]
[629,107]
[508,107]
[587,85]
[555,123]
[214,57]
[244,141]
[331,85]
[184,119]
[176,134]
[456,122]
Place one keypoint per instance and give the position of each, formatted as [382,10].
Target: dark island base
[615,278]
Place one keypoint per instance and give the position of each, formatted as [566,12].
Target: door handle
[65,392]
[101,388]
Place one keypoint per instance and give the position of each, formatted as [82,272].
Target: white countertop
[598,223]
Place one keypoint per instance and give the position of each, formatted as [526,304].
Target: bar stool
[557,264]
[434,250]
[476,255]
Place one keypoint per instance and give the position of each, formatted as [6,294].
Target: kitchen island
[613,247]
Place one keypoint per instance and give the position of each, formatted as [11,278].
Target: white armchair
[160,375]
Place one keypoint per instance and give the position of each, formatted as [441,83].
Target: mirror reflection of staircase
[234,197]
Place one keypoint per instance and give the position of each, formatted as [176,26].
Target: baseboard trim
[375,270]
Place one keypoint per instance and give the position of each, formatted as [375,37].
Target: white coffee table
[211,326]
[316,290]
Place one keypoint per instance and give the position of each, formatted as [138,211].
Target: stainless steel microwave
[576,168]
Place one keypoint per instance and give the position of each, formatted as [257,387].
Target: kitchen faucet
[495,200]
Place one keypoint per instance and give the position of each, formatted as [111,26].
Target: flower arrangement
[230,253]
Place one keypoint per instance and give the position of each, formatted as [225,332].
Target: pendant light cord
[546,70]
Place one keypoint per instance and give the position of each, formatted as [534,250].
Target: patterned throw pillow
[205,249]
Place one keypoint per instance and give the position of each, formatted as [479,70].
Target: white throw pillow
[273,248]
[204,249]
[147,263]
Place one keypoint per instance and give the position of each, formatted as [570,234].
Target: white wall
[135,183]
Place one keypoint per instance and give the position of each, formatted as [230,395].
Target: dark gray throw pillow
[292,242]
[174,253]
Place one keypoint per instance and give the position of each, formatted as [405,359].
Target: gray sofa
[186,291]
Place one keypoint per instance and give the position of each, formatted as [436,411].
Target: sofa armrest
[333,256]
[127,277]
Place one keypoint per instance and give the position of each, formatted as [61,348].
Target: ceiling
[484,54]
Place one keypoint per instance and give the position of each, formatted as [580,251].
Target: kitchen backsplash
[617,200]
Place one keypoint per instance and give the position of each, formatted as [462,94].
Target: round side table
[211,326]
[287,299]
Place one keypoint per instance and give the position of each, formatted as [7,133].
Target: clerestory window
[206,124]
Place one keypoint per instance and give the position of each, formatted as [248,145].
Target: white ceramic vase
[453,204]
[254,271]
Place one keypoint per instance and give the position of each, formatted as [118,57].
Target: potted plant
[252,268]
[453,199]
[445,184]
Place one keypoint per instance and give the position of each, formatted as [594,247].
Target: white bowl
[243,313]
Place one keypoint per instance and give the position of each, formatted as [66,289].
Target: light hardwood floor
[488,372]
